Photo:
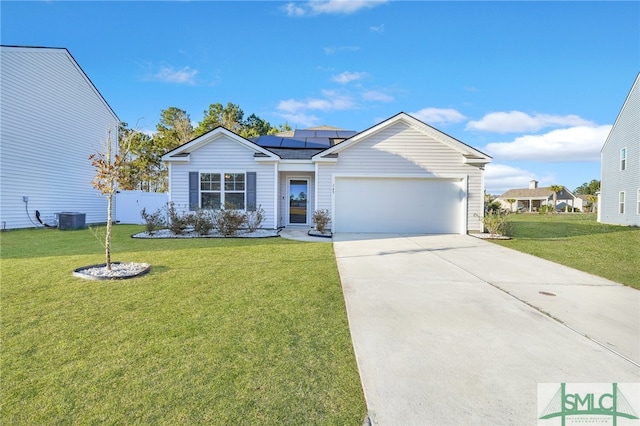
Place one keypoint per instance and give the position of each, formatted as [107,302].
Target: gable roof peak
[472,154]
[212,135]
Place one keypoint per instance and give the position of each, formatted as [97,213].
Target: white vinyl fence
[129,204]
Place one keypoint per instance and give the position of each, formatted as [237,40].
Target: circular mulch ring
[119,271]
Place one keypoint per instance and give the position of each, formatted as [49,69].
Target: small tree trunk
[110,191]
[107,242]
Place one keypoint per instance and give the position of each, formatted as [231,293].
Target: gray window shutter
[194,180]
[251,192]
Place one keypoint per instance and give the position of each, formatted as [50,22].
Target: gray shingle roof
[527,193]
[295,154]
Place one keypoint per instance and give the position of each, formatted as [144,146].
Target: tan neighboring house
[532,198]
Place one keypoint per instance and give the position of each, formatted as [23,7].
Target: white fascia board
[179,159]
[325,160]
[476,160]
[296,166]
[266,160]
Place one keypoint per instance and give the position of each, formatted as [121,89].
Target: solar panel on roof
[319,142]
[269,141]
[292,143]
[315,143]
[302,133]
[326,134]
[346,133]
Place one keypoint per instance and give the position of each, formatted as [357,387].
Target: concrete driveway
[452,330]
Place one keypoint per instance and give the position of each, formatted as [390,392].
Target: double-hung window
[219,190]
[623,158]
[234,191]
[621,202]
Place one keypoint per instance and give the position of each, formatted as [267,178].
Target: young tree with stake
[108,170]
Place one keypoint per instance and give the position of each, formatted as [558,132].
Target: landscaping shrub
[177,222]
[495,223]
[202,221]
[321,219]
[254,219]
[153,221]
[229,220]
[547,209]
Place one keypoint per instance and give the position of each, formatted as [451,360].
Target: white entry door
[298,190]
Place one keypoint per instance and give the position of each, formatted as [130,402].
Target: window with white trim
[623,158]
[621,202]
[222,189]
[638,200]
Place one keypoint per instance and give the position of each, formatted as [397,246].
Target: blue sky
[536,85]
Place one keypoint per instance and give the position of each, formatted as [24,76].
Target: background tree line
[143,168]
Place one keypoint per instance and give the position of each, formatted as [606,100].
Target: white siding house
[51,119]
[619,201]
[399,176]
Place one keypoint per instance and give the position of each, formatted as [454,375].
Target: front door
[298,193]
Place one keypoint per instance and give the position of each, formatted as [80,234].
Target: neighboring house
[400,176]
[532,198]
[584,203]
[51,119]
[619,201]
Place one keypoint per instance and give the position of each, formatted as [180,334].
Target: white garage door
[397,205]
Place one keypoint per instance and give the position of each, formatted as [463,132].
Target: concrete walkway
[302,235]
[451,330]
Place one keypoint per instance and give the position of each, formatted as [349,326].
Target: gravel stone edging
[313,233]
[487,236]
[119,271]
[165,233]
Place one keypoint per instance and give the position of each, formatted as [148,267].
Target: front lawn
[579,241]
[221,331]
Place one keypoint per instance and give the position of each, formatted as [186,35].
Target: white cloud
[498,178]
[376,96]
[438,115]
[377,28]
[348,77]
[333,7]
[304,120]
[580,143]
[291,9]
[297,111]
[518,121]
[343,6]
[185,75]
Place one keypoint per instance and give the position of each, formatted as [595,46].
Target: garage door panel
[397,205]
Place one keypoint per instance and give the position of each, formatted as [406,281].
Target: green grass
[579,241]
[221,331]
